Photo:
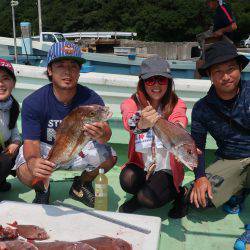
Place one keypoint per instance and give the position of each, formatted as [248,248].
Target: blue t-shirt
[42,112]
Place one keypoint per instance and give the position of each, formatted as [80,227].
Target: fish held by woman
[177,141]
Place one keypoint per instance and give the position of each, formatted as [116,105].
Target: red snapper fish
[70,138]
[177,141]
[100,243]
[30,232]
[17,245]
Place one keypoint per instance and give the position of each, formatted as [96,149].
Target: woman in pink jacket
[152,174]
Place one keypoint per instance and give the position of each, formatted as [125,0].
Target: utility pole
[39,17]
[13,4]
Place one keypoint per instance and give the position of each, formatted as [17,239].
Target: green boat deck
[201,229]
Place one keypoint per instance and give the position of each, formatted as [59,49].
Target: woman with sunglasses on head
[152,174]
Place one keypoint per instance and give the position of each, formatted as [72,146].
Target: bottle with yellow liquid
[101,191]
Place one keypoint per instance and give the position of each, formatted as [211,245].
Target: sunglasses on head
[156,79]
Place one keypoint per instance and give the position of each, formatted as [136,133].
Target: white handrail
[108,34]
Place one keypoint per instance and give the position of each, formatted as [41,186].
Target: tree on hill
[153,20]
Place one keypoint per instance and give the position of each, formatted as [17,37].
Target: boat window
[60,37]
[49,38]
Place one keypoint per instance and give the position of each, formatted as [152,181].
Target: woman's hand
[12,148]
[149,117]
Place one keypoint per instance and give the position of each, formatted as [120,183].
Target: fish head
[187,154]
[93,113]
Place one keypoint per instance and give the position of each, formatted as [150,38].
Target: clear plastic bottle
[101,191]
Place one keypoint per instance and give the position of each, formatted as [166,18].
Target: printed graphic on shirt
[51,129]
[144,141]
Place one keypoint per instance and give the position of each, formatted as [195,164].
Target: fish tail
[38,185]
[142,99]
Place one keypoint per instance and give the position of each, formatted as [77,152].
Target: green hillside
[153,20]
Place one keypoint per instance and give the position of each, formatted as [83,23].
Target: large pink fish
[100,243]
[17,245]
[177,141]
[30,232]
[70,137]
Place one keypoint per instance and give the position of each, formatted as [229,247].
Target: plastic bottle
[101,191]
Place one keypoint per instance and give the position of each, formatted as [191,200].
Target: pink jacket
[128,108]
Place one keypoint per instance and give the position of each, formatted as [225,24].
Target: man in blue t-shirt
[224,113]
[43,111]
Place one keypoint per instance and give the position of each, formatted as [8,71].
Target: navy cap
[65,50]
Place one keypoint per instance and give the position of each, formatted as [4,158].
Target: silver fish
[177,141]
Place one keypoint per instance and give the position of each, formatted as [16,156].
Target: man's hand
[231,27]
[149,117]
[98,131]
[40,167]
[198,194]
[218,33]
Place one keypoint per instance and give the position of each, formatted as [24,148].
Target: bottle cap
[101,171]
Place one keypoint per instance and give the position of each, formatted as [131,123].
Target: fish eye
[92,113]
[189,151]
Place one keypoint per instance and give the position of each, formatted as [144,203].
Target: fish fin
[142,99]
[151,170]
[79,141]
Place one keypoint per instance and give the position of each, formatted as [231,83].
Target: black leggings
[6,164]
[158,190]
